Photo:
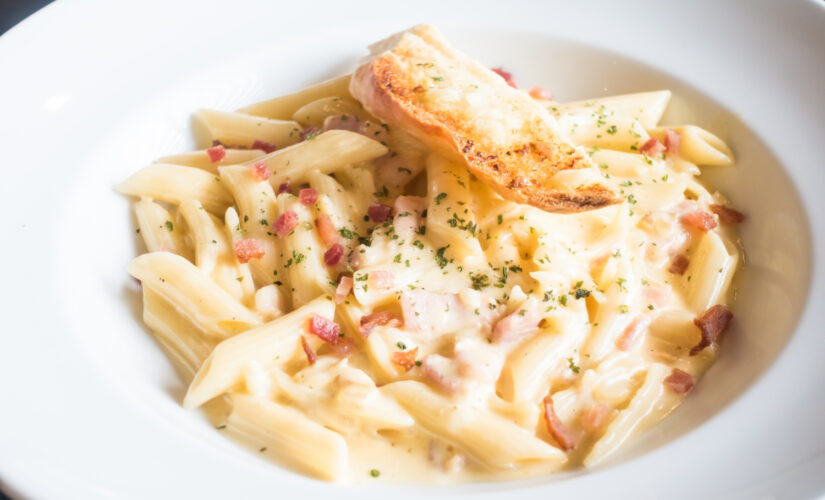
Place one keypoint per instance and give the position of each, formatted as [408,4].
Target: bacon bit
[307,196]
[333,255]
[672,141]
[679,264]
[405,359]
[727,214]
[309,132]
[632,332]
[593,418]
[343,347]
[216,153]
[266,147]
[516,326]
[311,356]
[382,280]
[260,172]
[508,77]
[380,318]
[537,92]
[560,433]
[324,329]
[712,323]
[679,381]
[247,249]
[283,188]
[326,230]
[699,219]
[285,223]
[343,289]
[652,147]
[379,212]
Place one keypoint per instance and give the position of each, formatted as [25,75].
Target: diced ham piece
[324,329]
[652,147]
[343,122]
[216,153]
[537,92]
[260,172]
[429,312]
[727,214]
[285,223]
[311,356]
[247,249]
[379,212]
[309,132]
[381,280]
[405,359]
[633,332]
[508,77]
[380,318]
[307,196]
[516,326]
[564,438]
[266,147]
[592,418]
[333,255]
[407,219]
[343,347]
[442,372]
[679,264]
[283,188]
[326,230]
[679,381]
[698,219]
[672,141]
[711,324]
[343,289]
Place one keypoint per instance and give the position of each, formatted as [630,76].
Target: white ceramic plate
[92,90]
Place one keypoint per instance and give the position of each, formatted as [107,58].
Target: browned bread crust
[416,82]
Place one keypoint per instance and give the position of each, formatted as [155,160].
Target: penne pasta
[273,342]
[420,272]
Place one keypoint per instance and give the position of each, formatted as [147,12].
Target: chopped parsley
[572,365]
[375,472]
[480,281]
[169,226]
[440,197]
[401,345]
[439,257]
[611,129]
[346,233]
[581,293]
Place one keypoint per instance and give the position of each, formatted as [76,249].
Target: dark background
[14,11]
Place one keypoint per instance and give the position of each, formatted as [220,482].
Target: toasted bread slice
[454,104]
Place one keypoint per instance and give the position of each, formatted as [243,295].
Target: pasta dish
[421,272]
